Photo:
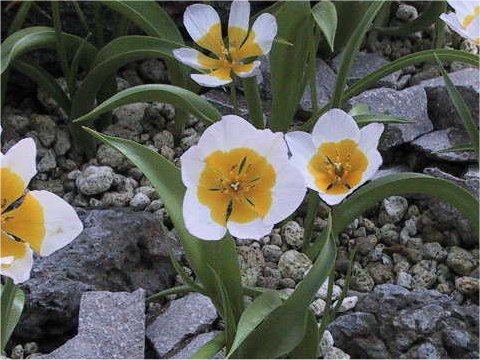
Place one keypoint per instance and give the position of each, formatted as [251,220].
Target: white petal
[302,149]
[374,162]
[334,126]
[370,136]
[20,159]
[463,8]
[452,21]
[473,30]
[62,224]
[288,193]
[19,269]
[198,220]
[198,19]
[334,199]
[192,166]
[247,69]
[239,18]
[192,57]
[209,80]
[265,29]
[255,229]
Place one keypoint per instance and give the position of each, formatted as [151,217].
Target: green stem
[8,295]
[254,103]
[81,16]
[182,289]
[439,35]
[313,202]
[311,70]
[326,313]
[97,16]
[233,97]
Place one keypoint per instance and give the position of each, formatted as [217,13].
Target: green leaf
[12,303]
[284,328]
[219,255]
[351,50]
[428,17]
[211,348]
[366,119]
[184,276]
[308,347]
[399,64]
[110,59]
[325,15]
[185,99]
[39,37]
[458,148]
[253,315]
[462,108]
[359,109]
[401,184]
[317,246]
[287,62]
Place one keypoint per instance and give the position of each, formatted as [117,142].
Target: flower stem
[311,70]
[182,289]
[313,202]
[233,97]
[254,102]
[439,35]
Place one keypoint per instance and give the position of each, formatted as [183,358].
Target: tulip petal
[238,22]
[45,221]
[196,59]
[198,220]
[18,167]
[370,136]
[255,229]
[334,126]
[203,24]
[260,39]
[18,269]
[246,70]
[216,78]
[302,149]
[452,21]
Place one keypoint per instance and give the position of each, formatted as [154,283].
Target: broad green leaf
[110,59]
[308,347]
[325,15]
[166,178]
[253,315]
[39,37]
[211,348]
[359,109]
[351,50]
[428,17]
[185,99]
[12,303]
[44,80]
[402,184]
[462,109]
[399,64]
[366,119]
[458,148]
[288,62]
[283,329]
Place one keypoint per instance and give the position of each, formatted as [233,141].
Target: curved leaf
[308,347]
[202,255]
[37,37]
[325,15]
[365,119]
[110,59]
[211,348]
[12,303]
[401,184]
[182,98]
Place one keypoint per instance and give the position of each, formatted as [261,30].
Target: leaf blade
[325,15]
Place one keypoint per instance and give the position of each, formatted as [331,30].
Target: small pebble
[348,303]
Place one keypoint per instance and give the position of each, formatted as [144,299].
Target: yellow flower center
[470,18]
[236,185]
[338,167]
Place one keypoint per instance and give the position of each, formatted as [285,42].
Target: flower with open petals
[238,178]
[337,157]
[203,24]
[465,21]
[37,220]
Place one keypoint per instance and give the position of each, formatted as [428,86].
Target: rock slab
[111,326]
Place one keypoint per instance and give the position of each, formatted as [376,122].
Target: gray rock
[164,138]
[326,342]
[424,274]
[118,250]
[405,279]
[48,162]
[251,264]
[110,326]
[434,251]
[406,13]
[46,129]
[323,291]
[430,145]
[139,202]
[62,142]
[380,273]
[440,107]
[461,261]
[392,170]
[194,345]
[392,322]
[393,210]
[318,307]
[335,353]
[95,180]
[272,253]
[472,179]
[293,264]
[130,116]
[292,233]
[153,71]
[221,100]
[364,64]
[467,285]
[362,281]
[108,156]
[184,317]
[325,80]
[348,303]
[398,103]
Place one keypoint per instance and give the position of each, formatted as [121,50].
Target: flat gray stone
[410,104]
[221,100]
[364,64]
[184,317]
[111,326]
[194,345]
[325,80]
[392,170]
[431,144]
